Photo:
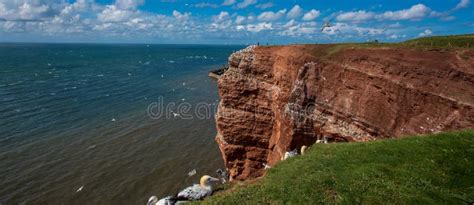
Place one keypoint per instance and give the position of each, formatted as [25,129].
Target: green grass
[435,169]
[460,41]
[426,43]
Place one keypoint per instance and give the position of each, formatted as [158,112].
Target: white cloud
[425,33]
[290,23]
[223,16]
[271,16]
[356,16]
[221,21]
[181,16]
[245,4]
[259,27]
[240,19]
[113,14]
[416,12]
[27,11]
[294,29]
[348,30]
[204,5]
[462,4]
[86,18]
[311,15]
[129,4]
[228,2]
[295,12]
[265,5]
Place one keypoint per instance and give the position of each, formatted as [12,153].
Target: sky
[231,21]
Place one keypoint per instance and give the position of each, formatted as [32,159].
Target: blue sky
[230,21]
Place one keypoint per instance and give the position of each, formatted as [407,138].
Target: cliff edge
[276,99]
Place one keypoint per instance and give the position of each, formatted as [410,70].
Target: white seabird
[164,201]
[324,141]
[290,154]
[303,149]
[199,191]
[175,114]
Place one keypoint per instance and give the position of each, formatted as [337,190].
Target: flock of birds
[207,183]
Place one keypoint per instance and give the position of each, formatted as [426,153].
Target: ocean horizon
[75,125]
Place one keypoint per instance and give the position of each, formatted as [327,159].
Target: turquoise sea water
[74,127]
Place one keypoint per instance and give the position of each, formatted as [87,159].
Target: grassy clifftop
[433,42]
[417,170]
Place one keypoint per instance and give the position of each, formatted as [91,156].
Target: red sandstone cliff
[276,99]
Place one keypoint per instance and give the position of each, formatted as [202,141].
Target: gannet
[290,154]
[303,149]
[199,191]
[169,200]
[175,114]
[324,140]
[326,25]
[164,201]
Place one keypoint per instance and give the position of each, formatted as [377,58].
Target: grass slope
[426,43]
[433,42]
[436,169]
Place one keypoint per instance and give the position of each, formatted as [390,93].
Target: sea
[106,123]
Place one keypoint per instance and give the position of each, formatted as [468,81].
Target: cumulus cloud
[426,33]
[355,16]
[204,5]
[416,12]
[181,16]
[264,5]
[295,12]
[259,27]
[293,28]
[245,4]
[311,15]
[462,4]
[87,18]
[240,19]
[271,16]
[346,29]
[23,10]
[28,11]
[222,16]
[221,21]
[112,13]
[129,4]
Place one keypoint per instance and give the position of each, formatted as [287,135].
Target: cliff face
[276,99]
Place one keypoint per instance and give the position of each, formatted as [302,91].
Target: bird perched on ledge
[192,193]
[290,154]
[303,149]
[169,200]
[199,191]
